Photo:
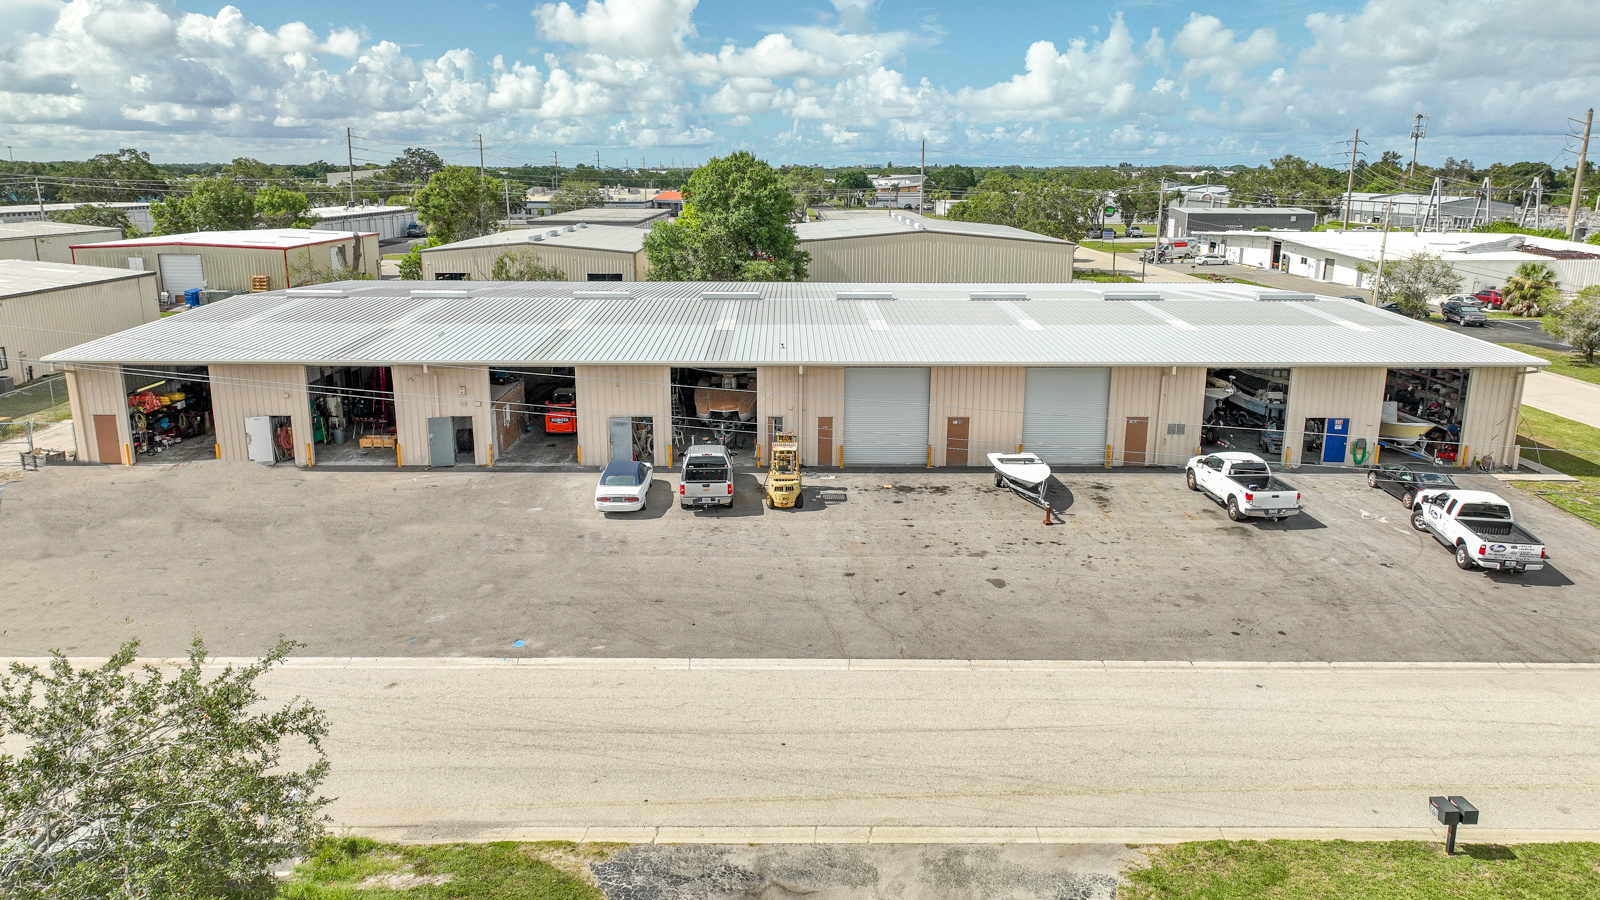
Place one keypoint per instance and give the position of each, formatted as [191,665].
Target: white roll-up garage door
[1064,413]
[181,272]
[885,416]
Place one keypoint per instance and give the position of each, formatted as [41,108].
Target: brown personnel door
[824,440]
[106,443]
[1134,440]
[955,441]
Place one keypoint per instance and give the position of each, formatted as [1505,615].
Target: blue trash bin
[191,297]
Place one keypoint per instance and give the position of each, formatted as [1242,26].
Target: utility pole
[1577,182]
[1350,186]
[555,180]
[507,185]
[350,155]
[1383,246]
[922,173]
[38,196]
[480,154]
[1419,130]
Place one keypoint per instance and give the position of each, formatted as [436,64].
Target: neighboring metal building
[1482,260]
[47,306]
[1184,221]
[896,191]
[582,252]
[49,241]
[629,217]
[905,247]
[866,374]
[387,222]
[138,213]
[231,260]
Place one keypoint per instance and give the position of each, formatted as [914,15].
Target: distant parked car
[624,486]
[1135,231]
[1405,482]
[1490,297]
[1210,259]
[1464,309]
[1357,297]
[415,230]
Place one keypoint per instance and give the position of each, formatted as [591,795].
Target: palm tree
[1530,290]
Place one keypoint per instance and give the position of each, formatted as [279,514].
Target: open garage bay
[935,565]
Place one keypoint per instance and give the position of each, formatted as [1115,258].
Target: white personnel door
[258,439]
[1064,412]
[885,416]
[181,272]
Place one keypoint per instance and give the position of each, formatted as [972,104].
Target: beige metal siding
[231,268]
[574,262]
[58,248]
[447,391]
[1334,392]
[98,391]
[930,257]
[35,325]
[989,396]
[1167,396]
[239,392]
[606,392]
[800,397]
[1494,402]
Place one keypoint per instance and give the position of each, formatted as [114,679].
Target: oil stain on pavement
[864,872]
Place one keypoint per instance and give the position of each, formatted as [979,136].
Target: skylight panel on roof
[997,295]
[863,295]
[730,295]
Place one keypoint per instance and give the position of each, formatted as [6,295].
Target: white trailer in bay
[1244,484]
[1479,527]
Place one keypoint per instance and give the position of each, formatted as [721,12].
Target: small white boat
[1021,469]
[1217,388]
[1402,427]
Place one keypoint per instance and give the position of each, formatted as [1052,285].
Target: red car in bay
[1490,297]
[561,413]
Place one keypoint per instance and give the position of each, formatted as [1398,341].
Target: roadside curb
[623,664]
[917,834]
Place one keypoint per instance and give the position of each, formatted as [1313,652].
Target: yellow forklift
[783,473]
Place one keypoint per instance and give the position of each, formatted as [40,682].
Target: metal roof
[633,216]
[11,231]
[849,225]
[692,323]
[19,277]
[581,236]
[259,239]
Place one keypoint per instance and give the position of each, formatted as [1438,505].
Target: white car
[624,486]
[1209,259]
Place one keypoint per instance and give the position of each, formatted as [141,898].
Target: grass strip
[1365,870]
[1133,246]
[1571,365]
[351,867]
[1103,276]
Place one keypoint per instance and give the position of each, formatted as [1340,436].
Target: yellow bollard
[1108,456]
[397,458]
[310,460]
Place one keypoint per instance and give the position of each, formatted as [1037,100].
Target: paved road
[1568,397]
[1128,264]
[925,564]
[837,752]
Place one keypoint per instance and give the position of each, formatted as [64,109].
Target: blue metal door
[1333,443]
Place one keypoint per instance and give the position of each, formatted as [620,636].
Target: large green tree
[153,782]
[1053,206]
[213,204]
[734,227]
[575,194]
[1579,323]
[1531,290]
[125,176]
[415,166]
[1411,281]
[458,203]
[525,265]
[91,214]
[280,207]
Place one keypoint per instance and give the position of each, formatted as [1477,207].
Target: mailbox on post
[1452,811]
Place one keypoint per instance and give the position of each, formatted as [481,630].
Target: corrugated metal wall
[441,391]
[990,396]
[231,268]
[35,325]
[605,392]
[1173,401]
[58,248]
[800,399]
[238,392]
[931,257]
[98,391]
[1326,392]
[576,263]
[1494,403]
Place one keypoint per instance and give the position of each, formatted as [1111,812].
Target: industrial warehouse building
[387,222]
[234,260]
[48,306]
[49,241]
[1337,257]
[1183,221]
[883,374]
[581,251]
[138,213]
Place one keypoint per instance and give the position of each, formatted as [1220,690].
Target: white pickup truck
[1244,484]
[1478,526]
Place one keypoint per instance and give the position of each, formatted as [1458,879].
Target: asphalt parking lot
[920,564]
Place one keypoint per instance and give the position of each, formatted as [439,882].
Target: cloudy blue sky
[840,82]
